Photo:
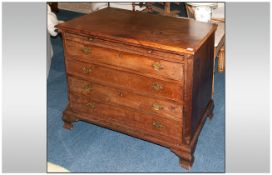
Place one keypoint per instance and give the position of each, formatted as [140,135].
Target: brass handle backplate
[86,70]
[86,50]
[157,86]
[120,55]
[157,66]
[91,105]
[87,88]
[157,124]
[157,106]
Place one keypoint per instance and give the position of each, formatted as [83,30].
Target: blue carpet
[89,148]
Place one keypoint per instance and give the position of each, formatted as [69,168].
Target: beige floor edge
[51,167]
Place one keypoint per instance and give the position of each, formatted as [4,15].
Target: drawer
[130,48]
[120,97]
[156,125]
[140,64]
[125,80]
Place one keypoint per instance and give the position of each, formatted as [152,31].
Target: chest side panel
[202,81]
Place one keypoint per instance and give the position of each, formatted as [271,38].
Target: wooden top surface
[156,31]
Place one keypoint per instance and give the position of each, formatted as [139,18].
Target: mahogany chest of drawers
[144,75]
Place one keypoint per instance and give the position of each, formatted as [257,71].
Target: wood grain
[146,84]
[142,64]
[124,98]
[125,80]
[154,124]
[161,32]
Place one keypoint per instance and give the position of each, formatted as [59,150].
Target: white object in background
[219,12]
[203,11]
[98,6]
[52,21]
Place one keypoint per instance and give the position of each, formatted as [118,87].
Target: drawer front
[124,98]
[125,80]
[135,49]
[140,64]
[153,124]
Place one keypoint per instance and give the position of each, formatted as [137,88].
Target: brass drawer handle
[88,88]
[157,66]
[157,106]
[157,124]
[91,105]
[86,70]
[86,50]
[157,86]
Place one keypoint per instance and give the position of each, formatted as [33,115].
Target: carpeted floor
[89,148]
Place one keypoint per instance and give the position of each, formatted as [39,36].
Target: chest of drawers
[144,75]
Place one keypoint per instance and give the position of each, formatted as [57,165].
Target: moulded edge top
[79,25]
